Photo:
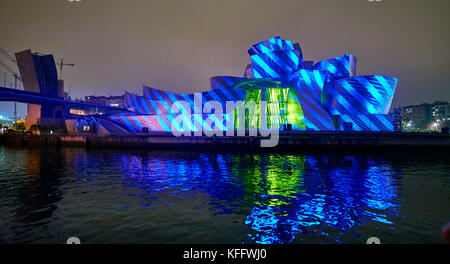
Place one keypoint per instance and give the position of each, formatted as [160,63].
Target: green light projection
[282,104]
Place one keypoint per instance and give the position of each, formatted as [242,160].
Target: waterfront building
[288,92]
[426,117]
[115,101]
[398,119]
[302,95]
[441,111]
[416,117]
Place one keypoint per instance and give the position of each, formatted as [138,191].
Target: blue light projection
[328,94]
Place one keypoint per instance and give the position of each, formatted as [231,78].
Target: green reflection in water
[270,180]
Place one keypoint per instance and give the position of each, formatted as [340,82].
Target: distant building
[67,96]
[398,119]
[97,100]
[416,117]
[425,117]
[441,111]
[114,101]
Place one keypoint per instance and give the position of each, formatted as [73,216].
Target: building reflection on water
[38,192]
[347,193]
[269,198]
[286,195]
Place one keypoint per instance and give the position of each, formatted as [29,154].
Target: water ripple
[133,196]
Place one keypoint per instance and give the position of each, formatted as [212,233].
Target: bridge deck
[12,95]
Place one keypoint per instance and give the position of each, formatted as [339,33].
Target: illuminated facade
[326,95]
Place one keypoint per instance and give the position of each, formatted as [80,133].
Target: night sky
[177,45]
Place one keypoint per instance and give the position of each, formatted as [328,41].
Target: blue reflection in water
[184,177]
[340,194]
[285,196]
[151,196]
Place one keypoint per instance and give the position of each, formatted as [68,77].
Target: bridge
[12,95]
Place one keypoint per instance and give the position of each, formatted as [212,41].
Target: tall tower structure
[39,75]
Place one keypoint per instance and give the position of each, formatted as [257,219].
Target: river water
[148,196]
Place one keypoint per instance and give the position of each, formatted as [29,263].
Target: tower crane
[61,66]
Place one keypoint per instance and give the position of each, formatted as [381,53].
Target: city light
[410,123]
[434,126]
[5,118]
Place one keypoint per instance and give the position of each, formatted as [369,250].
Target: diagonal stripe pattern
[325,96]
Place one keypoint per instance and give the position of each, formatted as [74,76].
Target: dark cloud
[120,45]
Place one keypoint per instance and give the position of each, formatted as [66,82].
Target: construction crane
[11,58]
[61,66]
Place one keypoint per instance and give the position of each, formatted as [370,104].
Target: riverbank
[295,140]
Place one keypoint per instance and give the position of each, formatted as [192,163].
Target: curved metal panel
[339,67]
[309,85]
[360,95]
